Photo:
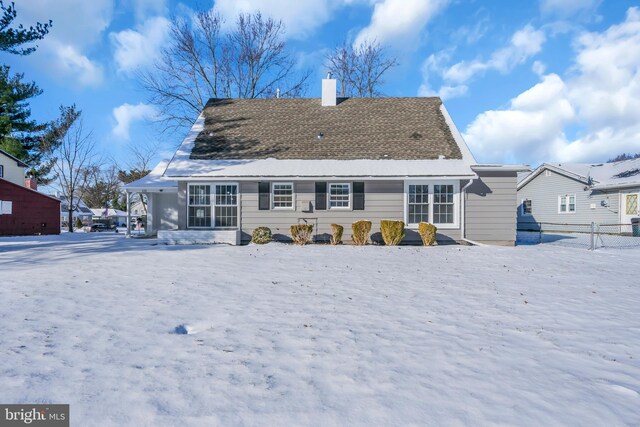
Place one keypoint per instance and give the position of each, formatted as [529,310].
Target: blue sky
[547,80]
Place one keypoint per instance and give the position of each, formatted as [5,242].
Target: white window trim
[575,204]
[293,197]
[522,212]
[344,208]
[431,183]
[1,171]
[212,201]
[188,205]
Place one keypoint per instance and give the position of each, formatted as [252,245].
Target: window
[1,171]
[199,206]
[527,207]
[443,204]
[434,202]
[632,204]
[226,205]
[418,203]
[282,195]
[339,195]
[567,204]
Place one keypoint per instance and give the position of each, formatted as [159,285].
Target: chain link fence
[589,236]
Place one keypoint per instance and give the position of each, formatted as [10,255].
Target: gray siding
[165,211]
[490,206]
[543,191]
[383,200]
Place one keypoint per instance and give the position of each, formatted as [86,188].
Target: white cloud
[567,8]
[524,43]
[70,62]
[301,18]
[139,48]
[600,97]
[77,26]
[399,21]
[144,9]
[126,114]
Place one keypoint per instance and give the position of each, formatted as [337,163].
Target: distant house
[23,210]
[82,211]
[275,162]
[580,193]
[115,216]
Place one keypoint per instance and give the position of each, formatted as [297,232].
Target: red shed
[26,212]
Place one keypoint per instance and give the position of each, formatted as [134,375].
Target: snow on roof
[154,180]
[108,212]
[183,166]
[625,173]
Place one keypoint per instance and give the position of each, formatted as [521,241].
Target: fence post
[593,240]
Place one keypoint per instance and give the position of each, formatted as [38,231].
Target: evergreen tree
[12,38]
[21,136]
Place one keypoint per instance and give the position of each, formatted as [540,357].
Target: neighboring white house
[12,169]
[116,216]
[580,193]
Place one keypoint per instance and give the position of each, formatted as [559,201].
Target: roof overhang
[616,185]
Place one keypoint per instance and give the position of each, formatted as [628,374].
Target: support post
[128,232]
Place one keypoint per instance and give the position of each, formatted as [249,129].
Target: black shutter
[264,196]
[321,196]
[358,196]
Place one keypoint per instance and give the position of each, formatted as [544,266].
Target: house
[275,162]
[82,211]
[23,210]
[114,216]
[580,193]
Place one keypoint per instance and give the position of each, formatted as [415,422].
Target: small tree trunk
[70,219]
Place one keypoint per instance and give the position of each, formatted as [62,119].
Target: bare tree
[199,63]
[139,167]
[103,186]
[360,70]
[74,158]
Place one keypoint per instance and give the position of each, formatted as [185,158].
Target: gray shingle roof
[357,128]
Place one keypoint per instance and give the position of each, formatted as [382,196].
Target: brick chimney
[31,183]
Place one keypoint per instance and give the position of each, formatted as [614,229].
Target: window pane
[226,216]
[563,204]
[199,195]
[199,216]
[226,195]
[443,207]
[339,195]
[282,195]
[572,204]
[527,206]
[418,201]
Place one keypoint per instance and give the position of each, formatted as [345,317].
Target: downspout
[463,218]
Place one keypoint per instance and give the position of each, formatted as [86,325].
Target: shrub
[361,230]
[261,235]
[301,233]
[336,234]
[427,232]
[78,223]
[392,232]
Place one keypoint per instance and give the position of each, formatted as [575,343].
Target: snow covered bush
[361,231]
[261,235]
[427,233]
[336,234]
[392,232]
[301,233]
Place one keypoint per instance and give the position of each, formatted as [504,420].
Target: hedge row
[392,233]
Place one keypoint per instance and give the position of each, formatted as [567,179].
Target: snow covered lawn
[319,335]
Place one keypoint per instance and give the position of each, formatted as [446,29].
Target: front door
[628,209]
